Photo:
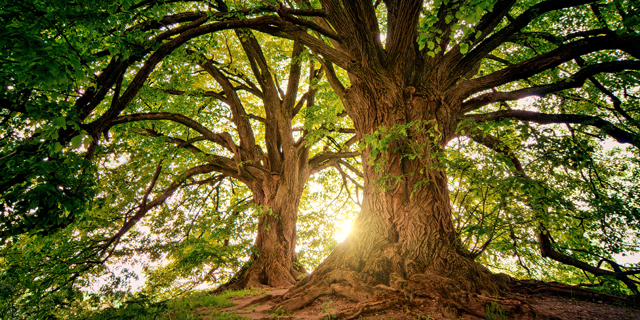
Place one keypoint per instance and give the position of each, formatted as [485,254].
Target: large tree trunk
[403,239]
[274,262]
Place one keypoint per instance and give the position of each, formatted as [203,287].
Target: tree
[241,98]
[429,93]
[419,75]
[276,176]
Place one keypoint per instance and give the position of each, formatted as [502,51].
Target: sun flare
[342,230]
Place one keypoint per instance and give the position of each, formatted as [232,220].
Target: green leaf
[76,141]
[464,48]
[448,19]
[57,147]
[60,122]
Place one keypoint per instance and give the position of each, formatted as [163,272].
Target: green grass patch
[194,305]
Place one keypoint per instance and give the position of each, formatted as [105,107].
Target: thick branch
[401,30]
[483,49]
[544,62]
[293,80]
[240,119]
[196,30]
[547,251]
[223,139]
[288,30]
[544,118]
[616,101]
[327,159]
[575,81]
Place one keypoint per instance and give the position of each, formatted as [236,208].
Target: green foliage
[193,305]
[328,307]
[495,311]
[136,307]
[55,190]
[415,141]
[71,181]
[570,190]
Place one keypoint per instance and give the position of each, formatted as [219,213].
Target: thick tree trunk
[274,261]
[403,239]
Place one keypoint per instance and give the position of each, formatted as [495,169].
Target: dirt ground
[530,306]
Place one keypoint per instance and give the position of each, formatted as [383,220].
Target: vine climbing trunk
[403,239]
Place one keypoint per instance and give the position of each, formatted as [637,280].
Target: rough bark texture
[403,240]
[274,261]
[278,187]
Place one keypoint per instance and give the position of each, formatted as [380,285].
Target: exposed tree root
[364,308]
[262,273]
[452,298]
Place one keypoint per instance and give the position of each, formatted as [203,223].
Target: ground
[530,300]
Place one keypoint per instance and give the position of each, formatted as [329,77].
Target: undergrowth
[194,305]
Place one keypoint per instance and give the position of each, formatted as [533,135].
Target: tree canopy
[483,128]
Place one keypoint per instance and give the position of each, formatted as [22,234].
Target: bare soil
[520,304]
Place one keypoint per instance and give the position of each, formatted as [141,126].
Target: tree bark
[277,196]
[403,239]
[274,262]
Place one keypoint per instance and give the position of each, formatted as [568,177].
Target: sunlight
[627,258]
[342,230]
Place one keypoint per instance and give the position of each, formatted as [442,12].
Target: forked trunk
[273,262]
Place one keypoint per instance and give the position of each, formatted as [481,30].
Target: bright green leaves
[457,25]
[395,139]
[464,48]
[76,141]
[584,197]
[416,141]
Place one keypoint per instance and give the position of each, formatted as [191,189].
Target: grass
[195,305]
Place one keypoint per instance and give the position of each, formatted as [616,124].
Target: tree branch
[500,147]
[480,52]
[544,118]
[327,159]
[293,80]
[547,251]
[178,142]
[546,61]
[240,119]
[142,210]
[165,49]
[575,81]
[223,139]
